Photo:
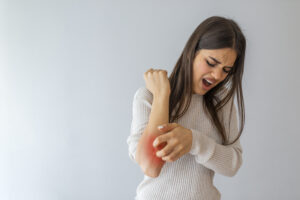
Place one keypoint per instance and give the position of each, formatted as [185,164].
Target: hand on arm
[178,142]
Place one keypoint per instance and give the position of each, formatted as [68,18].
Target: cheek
[224,76]
[200,71]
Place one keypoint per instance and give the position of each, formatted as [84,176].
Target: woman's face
[222,61]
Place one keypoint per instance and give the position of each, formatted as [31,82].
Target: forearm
[145,154]
[159,113]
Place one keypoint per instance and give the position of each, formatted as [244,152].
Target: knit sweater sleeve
[225,160]
[141,108]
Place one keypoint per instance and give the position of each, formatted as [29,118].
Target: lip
[205,87]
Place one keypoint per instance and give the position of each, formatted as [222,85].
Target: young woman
[200,136]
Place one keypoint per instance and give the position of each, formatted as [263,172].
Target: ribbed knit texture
[191,176]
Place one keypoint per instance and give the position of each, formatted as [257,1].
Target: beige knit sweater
[191,176]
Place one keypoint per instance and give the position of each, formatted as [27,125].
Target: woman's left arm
[225,160]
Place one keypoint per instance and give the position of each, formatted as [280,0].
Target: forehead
[226,56]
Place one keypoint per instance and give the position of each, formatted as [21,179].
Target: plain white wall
[68,72]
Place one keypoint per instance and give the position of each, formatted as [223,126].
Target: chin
[199,92]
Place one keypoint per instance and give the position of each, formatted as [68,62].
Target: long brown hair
[213,33]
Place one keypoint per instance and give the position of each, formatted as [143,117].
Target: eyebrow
[218,61]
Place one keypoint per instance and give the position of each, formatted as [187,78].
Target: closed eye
[212,65]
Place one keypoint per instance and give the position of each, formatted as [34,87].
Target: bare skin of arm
[146,157]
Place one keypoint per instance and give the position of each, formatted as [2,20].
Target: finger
[162,71]
[149,70]
[176,154]
[160,139]
[168,149]
[167,126]
[173,156]
[161,146]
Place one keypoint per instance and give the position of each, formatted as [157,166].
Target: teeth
[208,81]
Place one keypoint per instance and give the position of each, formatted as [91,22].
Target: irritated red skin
[150,164]
[151,151]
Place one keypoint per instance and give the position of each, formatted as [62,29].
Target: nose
[217,73]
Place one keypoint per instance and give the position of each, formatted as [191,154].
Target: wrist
[161,97]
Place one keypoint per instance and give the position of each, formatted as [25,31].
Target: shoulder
[229,108]
[230,104]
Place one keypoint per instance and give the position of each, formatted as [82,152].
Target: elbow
[149,168]
[152,172]
[231,173]
[145,168]
[234,170]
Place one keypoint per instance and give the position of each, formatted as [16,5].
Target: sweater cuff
[203,147]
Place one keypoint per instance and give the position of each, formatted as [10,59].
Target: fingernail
[161,126]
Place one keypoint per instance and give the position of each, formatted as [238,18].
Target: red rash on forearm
[151,151]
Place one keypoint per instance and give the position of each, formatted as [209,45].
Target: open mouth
[206,83]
